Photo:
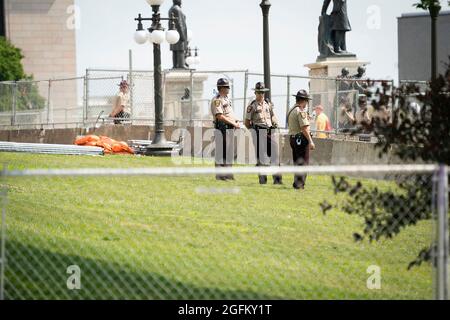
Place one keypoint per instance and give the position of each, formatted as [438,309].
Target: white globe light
[190,35]
[155,2]
[190,61]
[157,36]
[172,36]
[141,36]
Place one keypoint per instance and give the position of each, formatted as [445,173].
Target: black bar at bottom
[261,309]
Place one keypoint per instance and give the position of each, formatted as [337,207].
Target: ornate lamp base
[166,149]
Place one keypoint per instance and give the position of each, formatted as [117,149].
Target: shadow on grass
[37,274]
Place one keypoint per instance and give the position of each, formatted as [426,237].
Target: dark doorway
[2,19]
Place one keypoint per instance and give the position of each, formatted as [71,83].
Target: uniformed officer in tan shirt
[300,135]
[260,117]
[224,122]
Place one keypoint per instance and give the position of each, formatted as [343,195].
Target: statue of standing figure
[179,49]
[333,29]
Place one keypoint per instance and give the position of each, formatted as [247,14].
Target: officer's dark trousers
[224,153]
[266,152]
[300,155]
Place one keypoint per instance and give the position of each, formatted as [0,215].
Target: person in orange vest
[322,122]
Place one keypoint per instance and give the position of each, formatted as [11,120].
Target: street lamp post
[434,13]
[156,35]
[265,6]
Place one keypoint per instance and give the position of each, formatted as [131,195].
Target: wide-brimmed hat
[303,94]
[260,87]
[223,83]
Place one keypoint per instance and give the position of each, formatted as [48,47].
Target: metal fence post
[48,100]
[244,108]
[86,95]
[336,108]
[3,198]
[14,103]
[193,115]
[131,83]
[442,250]
[288,100]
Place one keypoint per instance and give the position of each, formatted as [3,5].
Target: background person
[121,108]
[346,118]
[363,116]
[322,122]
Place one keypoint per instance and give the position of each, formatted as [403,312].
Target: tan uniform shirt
[221,105]
[261,114]
[298,119]
[122,99]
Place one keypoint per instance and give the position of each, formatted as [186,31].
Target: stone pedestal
[331,68]
[324,91]
[183,93]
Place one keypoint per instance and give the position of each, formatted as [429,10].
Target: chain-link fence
[33,104]
[169,232]
[186,94]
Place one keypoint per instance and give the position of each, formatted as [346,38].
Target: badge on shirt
[303,114]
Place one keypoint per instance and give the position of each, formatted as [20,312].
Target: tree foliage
[419,130]
[19,90]
[11,68]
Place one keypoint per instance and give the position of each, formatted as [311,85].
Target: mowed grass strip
[157,238]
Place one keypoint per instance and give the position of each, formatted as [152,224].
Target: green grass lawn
[158,238]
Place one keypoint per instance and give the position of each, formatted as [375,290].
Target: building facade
[44,31]
[414,44]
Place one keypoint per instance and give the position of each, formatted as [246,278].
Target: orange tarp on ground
[109,145]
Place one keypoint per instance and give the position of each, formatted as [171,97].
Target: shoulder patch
[249,109]
[217,103]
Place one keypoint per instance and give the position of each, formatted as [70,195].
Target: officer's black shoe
[221,178]
[262,180]
[297,187]
[230,178]
[277,181]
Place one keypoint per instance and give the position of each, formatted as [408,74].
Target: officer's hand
[312,146]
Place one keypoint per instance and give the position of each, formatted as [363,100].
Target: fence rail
[79,101]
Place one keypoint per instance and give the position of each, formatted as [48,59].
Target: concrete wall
[328,152]
[414,45]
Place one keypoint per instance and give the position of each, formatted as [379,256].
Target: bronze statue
[179,49]
[333,29]
[344,85]
[361,86]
